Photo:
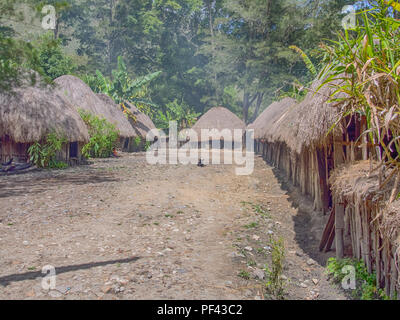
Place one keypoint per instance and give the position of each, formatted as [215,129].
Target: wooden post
[364,139]
[339,229]
[327,231]
[394,274]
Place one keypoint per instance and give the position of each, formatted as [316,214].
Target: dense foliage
[122,88]
[103,136]
[43,154]
[364,65]
[233,53]
[51,58]
[179,112]
[365,282]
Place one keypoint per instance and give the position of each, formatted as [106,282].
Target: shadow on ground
[6,280]
[306,240]
[41,181]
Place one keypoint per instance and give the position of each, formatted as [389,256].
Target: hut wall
[19,152]
[11,149]
[302,170]
[65,154]
[361,227]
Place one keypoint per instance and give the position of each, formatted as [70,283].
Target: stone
[123,282]
[106,289]
[248,248]
[255,237]
[258,274]
[55,294]
[228,283]
[315,281]
[248,293]
[63,289]
[31,293]
[76,289]
[303,285]
[310,262]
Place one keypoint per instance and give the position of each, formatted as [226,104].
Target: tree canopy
[241,54]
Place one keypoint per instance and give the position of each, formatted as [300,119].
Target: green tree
[52,59]
[121,87]
[17,58]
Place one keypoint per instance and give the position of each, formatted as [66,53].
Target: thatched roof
[356,178]
[143,123]
[299,125]
[218,118]
[316,117]
[355,181]
[285,127]
[265,118]
[268,124]
[29,113]
[81,96]
[390,225]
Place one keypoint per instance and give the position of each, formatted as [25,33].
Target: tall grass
[363,65]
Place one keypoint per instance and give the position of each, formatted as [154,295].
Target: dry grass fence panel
[373,224]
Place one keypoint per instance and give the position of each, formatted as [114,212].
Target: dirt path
[123,229]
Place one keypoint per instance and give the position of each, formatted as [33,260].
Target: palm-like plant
[121,87]
[179,112]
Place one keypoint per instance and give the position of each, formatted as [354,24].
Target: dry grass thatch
[356,178]
[390,225]
[316,117]
[29,113]
[357,183]
[269,116]
[143,123]
[282,123]
[218,118]
[299,125]
[81,96]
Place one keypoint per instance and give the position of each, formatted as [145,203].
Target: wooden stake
[327,230]
[339,227]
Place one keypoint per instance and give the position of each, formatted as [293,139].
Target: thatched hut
[29,113]
[218,120]
[271,131]
[266,119]
[365,225]
[142,124]
[81,96]
[299,139]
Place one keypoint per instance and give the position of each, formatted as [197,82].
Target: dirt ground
[124,229]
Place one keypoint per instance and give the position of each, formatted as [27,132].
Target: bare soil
[124,229]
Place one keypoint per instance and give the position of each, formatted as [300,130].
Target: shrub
[366,288]
[275,284]
[137,142]
[43,154]
[103,136]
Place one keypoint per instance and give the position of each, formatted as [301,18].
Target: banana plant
[121,87]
